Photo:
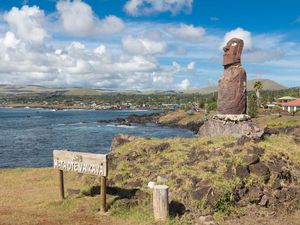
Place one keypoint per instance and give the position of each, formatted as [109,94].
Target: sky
[145,44]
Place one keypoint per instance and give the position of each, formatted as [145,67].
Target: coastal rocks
[215,127]
[152,118]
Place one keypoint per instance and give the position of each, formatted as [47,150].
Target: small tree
[258,87]
[252,106]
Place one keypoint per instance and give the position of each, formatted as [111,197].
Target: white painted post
[160,202]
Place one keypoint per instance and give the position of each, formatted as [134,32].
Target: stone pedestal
[234,125]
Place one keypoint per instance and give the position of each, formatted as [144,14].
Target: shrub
[252,106]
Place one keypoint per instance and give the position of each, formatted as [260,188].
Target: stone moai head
[232,52]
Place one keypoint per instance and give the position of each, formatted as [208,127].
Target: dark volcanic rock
[152,118]
[200,193]
[255,194]
[159,148]
[242,172]
[260,169]
[242,140]
[281,130]
[256,150]
[250,159]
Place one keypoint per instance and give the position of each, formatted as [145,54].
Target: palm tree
[258,87]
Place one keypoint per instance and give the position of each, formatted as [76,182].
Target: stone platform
[235,125]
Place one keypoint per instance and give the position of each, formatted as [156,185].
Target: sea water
[29,136]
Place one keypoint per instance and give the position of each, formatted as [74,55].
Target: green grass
[274,121]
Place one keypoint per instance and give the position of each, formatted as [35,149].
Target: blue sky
[145,44]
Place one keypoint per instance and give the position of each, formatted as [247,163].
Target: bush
[212,106]
[252,106]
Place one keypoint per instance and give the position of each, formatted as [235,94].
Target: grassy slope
[177,162]
[181,117]
[273,121]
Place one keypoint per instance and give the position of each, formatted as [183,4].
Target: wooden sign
[80,162]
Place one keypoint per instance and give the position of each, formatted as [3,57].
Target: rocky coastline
[155,118]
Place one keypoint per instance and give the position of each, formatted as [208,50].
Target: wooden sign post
[80,162]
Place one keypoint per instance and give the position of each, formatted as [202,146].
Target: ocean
[28,136]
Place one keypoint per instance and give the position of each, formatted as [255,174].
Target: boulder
[200,193]
[255,194]
[242,172]
[216,127]
[260,169]
[250,159]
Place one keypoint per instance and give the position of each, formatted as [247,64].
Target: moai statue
[232,96]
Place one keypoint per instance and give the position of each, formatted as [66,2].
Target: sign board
[80,162]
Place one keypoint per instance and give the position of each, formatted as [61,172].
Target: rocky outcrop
[215,127]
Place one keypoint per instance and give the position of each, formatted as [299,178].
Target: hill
[35,89]
[267,85]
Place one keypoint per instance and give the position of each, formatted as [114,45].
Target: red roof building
[291,106]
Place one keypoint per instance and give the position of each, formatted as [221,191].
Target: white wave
[121,126]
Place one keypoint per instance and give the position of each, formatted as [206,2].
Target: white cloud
[27,23]
[100,50]
[263,55]
[78,18]
[184,84]
[191,66]
[239,33]
[77,45]
[147,7]
[143,46]
[187,32]
[9,40]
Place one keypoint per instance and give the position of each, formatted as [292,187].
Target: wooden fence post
[160,202]
[61,184]
[103,194]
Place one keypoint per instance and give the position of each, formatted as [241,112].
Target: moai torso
[232,96]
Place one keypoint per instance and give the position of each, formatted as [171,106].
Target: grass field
[31,197]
